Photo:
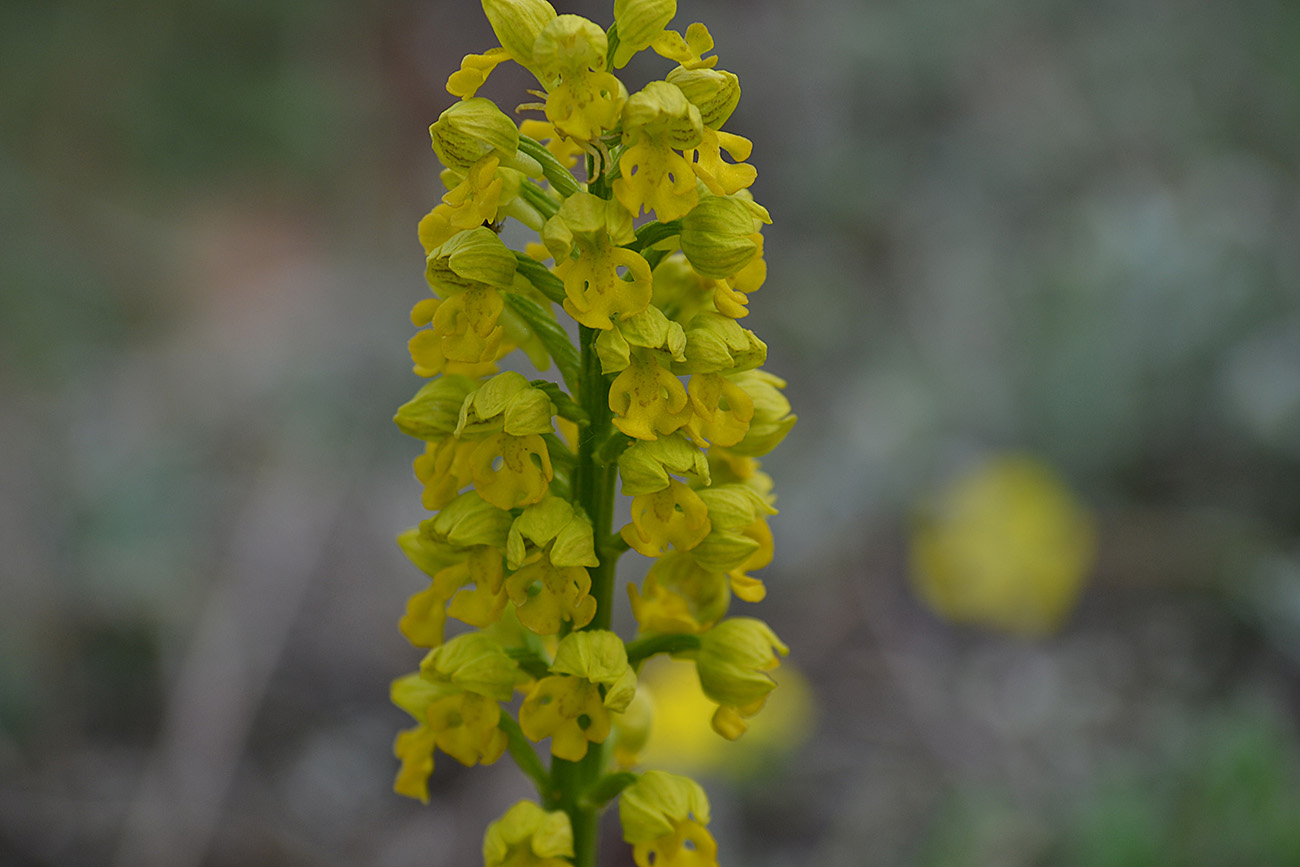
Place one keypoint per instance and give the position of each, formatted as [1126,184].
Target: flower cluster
[653,256]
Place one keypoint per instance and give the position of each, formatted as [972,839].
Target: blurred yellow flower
[1005,546]
[682,738]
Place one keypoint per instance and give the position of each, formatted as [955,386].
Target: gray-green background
[1066,228]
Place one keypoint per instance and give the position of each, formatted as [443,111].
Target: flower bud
[639,23]
[553,519]
[600,657]
[649,329]
[645,465]
[715,235]
[734,506]
[717,344]
[772,417]
[475,663]
[517,24]
[724,550]
[733,659]
[569,45]
[660,109]
[528,835]
[467,521]
[506,402]
[435,409]
[715,92]
[428,557]
[470,258]
[472,129]
[657,803]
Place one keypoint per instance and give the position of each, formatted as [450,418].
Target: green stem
[644,648]
[593,490]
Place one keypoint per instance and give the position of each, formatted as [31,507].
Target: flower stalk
[663,392]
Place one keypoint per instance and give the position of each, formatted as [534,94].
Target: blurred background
[1034,283]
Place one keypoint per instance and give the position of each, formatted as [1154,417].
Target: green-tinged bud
[772,418]
[715,92]
[600,657]
[506,402]
[734,659]
[553,519]
[649,329]
[569,44]
[724,550]
[715,234]
[734,506]
[658,109]
[645,465]
[718,344]
[528,836]
[470,258]
[517,24]
[470,130]
[467,521]
[430,558]
[475,663]
[639,23]
[657,803]
[434,411]
[413,694]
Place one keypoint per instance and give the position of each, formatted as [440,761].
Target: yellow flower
[675,516]
[1005,546]
[483,605]
[568,707]
[523,476]
[648,401]
[425,617]
[687,51]
[474,70]
[583,99]
[528,836]
[547,595]
[723,178]
[444,469]
[454,699]
[553,525]
[721,408]
[414,747]
[467,325]
[679,595]
[653,175]
[664,818]
[733,662]
[683,740]
[593,286]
